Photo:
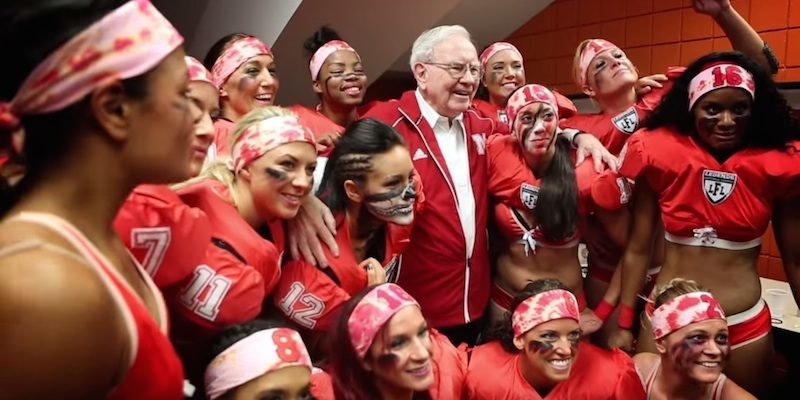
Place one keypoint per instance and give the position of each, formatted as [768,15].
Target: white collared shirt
[453,144]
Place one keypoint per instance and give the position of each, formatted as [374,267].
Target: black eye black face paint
[325,85]
[573,342]
[497,76]
[388,359]
[276,174]
[540,346]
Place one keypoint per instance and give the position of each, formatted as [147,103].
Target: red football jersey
[614,130]
[162,233]
[239,269]
[512,184]
[493,373]
[311,297]
[697,193]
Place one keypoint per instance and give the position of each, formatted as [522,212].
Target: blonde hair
[219,170]
[576,62]
[673,289]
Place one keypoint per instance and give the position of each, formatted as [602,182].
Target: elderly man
[446,267]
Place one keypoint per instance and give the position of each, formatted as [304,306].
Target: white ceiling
[381,30]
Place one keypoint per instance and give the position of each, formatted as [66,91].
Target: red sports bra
[155,370]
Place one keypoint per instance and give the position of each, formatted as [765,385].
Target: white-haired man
[446,267]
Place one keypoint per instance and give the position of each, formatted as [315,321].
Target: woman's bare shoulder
[61,328]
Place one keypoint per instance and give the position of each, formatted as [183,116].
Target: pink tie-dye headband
[684,310]
[197,72]
[543,307]
[235,55]
[495,48]
[529,94]
[263,136]
[319,57]
[253,356]
[592,49]
[372,313]
[127,42]
[718,76]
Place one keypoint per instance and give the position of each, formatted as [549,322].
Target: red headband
[197,72]
[125,43]
[718,76]
[684,310]
[495,48]
[323,53]
[253,356]
[544,307]
[529,94]
[265,135]
[235,55]
[373,311]
[592,49]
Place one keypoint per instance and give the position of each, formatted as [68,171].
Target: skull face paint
[395,206]
[386,185]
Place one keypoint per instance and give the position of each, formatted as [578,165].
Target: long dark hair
[219,46]
[556,209]
[350,380]
[770,124]
[352,159]
[49,138]
[503,331]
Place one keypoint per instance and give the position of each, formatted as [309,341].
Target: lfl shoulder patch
[718,185]
[529,195]
[627,121]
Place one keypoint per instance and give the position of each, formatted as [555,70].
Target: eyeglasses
[458,70]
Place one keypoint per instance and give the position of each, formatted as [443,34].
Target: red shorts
[504,299]
[745,327]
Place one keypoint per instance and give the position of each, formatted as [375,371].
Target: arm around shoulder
[61,329]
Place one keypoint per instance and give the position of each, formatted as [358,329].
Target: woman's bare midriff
[730,275]
[515,269]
